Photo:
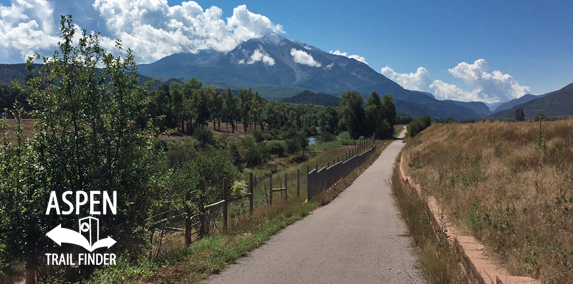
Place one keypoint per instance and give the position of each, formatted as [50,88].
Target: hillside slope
[557,103]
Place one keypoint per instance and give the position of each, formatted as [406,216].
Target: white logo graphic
[87,237]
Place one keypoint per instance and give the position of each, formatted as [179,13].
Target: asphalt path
[358,238]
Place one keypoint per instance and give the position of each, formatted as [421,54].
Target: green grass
[211,254]
[438,259]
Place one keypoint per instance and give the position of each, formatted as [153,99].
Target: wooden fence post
[297,183]
[251,197]
[286,187]
[225,204]
[204,230]
[271,188]
[187,219]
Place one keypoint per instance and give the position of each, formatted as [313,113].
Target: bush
[277,147]
[293,145]
[258,135]
[247,152]
[267,136]
[418,125]
[326,137]
[204,136]
[345,138]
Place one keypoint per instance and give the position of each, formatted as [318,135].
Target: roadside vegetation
[509,184]
[437,257]
[88,125]
[210,255]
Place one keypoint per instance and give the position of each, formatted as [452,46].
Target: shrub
[293,145]
[277,147]
[345,138]
[326,137]
[267,136]
[418,125]
[204,136]
[258,135]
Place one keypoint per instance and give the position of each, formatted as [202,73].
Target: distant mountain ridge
[521,100]
[278,67]
[479,108]
[19,72]
[308,97]
[557,103]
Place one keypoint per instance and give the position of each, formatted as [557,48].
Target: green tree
[328,120]
[216,108]
[389,110]
[85,140]
[246,106]
[230,108]
[519,115]
[352,107]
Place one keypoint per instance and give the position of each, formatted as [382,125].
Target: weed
[509,184]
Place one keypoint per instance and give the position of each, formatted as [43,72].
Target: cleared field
[10,129]
[508,184]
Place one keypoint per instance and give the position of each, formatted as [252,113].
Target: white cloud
[259,55]
[358,58]
[419,81]
[338,52]
[151,28]
[247,25]
[355,57]
[445,91]
[486,86]
[25,27]
[304,58]
[489,84]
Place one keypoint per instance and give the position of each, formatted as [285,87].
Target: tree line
[187,106]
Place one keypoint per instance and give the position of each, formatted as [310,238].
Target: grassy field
[508,184]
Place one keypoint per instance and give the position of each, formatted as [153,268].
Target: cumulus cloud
[25,27]
[259,55]
[445,91]
[489,87]
[355,57]
[419,81]
[304,58]
[489,84]
[151,28]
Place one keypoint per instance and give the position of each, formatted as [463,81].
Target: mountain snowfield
[278,67]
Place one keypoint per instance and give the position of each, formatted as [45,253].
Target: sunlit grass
[496,182]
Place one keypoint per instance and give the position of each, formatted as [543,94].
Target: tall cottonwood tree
[352,108]
[86,138]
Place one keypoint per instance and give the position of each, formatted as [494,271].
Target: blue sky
[468,49]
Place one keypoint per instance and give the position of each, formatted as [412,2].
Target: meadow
[510,184]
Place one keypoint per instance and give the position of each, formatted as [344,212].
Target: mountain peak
[273,38]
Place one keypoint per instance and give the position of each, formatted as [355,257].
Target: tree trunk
[31,270]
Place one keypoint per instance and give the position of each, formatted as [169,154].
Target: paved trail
[357,238]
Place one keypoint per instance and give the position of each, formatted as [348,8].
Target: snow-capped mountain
[279,67]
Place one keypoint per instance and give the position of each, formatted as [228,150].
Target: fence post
[251,197]
[286,190]
[225,204]
[297,183]
[204,231]
[188,219]
[271,188]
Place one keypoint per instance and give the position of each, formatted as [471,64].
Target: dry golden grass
[27,129]
[496,181]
